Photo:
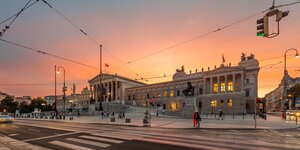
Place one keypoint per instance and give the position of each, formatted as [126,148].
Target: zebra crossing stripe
[101,139]
[70,146]
[109,135]
[98,144]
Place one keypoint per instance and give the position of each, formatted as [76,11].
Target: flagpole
[100,75]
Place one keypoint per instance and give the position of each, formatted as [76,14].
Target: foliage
[8,105]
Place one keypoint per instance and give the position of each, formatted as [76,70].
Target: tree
[24,107]
[39,103]
[8,105]
[294,93]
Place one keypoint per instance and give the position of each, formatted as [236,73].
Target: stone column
[242,81]
[204,87]
[233,81]
[116,89]
[211,86]
[219,84]
[226,84]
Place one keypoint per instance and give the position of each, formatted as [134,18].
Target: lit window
[213,103]
[171,93]
[216,88]
[230,86]
[158,94]
[221,103]
[222,87]
[165,93]
[229,103]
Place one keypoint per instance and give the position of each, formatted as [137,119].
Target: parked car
[6,119]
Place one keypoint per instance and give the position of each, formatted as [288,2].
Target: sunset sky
[131,29]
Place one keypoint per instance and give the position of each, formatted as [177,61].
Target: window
[247,93]
[223,87]
[178,93]
[216,88]
[129,97]
[221,103]
[247,81]
[213,103]
[148,95]
[200,104]
[230,86]
[171,93]
[200,91]
[158,94]
[229,103]
[165,93]
[133,97]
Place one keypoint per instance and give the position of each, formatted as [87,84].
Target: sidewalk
[229,122]
[7,143]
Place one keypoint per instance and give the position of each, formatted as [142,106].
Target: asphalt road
[64,136]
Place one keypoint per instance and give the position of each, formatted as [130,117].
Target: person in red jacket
[194,119]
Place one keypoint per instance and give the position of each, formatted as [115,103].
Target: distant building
[274,99]
[232,89]
[50,99]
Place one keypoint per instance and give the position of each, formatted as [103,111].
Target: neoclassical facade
[232,89]
[115,86]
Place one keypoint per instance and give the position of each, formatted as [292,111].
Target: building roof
[117,76]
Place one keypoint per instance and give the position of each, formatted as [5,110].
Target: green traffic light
[260,34]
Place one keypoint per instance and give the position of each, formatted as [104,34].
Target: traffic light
[280,15]
[263,26]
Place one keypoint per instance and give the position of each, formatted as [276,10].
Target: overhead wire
[4,30]
[49,54]
[89,37]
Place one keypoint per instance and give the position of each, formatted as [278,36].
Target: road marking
[34,130]
[13,134]
[101,139]
[4,148]
[99,144]
[69,146]
[51,136]
[123,137]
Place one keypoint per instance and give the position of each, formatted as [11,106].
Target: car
[6,119]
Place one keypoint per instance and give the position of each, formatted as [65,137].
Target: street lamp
[285,81]
[64,87]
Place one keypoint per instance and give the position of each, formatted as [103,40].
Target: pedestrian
[198,119]
[78,113]
[123,115]
[220,114]
[156,112]
[194,119]
[113,114]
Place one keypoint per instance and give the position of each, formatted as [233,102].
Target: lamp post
[285,81]
[64,87]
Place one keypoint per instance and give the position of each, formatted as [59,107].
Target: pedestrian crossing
[92,142]
[95,141]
